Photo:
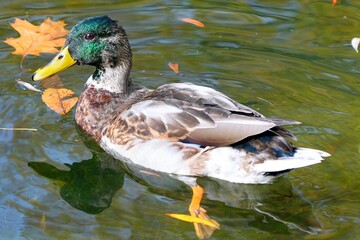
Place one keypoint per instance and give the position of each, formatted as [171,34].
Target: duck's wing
[193,114]
[203,96]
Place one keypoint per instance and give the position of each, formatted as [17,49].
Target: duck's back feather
[200,115]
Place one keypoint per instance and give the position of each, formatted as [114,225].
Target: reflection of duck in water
[180,129]
[280,205]
[90,184]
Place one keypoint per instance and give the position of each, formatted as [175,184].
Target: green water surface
[287,59]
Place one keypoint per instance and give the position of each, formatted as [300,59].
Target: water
[286,59]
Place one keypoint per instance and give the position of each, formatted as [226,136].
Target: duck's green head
[96,41]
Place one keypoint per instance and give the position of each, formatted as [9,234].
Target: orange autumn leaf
[34,40]
[174,67]
[59,100]
[334,2]
[193,21]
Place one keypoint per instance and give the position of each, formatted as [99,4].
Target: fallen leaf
[27,85]
[59,100]
[43,222]
[34,40]
[188,218]
[193,21]
[355,43]
[174,67]
[334,2]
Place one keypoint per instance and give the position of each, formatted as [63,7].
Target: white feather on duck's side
[302,157]
[158,154]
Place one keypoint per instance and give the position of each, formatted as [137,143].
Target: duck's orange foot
[207,226]
[204,225]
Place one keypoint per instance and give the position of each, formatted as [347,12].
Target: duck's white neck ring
[113,80]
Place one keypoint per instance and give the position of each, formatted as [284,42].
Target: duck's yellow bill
[59,63]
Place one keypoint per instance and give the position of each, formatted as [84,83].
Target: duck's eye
[89,36]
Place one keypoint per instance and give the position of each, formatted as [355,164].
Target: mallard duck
[182,129]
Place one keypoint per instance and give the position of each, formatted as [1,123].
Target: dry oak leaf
[193,21]
[59,100]
[37,39]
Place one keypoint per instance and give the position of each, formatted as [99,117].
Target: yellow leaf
[193,21]
[174,67]
[188,218]
[58,99]
[37,39]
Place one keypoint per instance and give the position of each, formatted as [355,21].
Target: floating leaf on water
[59,100]
[193,21]
[34,40]
[174,67]
[355,43]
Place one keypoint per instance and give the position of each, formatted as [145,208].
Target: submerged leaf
[193,21]
[58,99]
[43,222]
[53,81]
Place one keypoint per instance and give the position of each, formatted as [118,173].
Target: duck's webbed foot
[204,225]
[203,231]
